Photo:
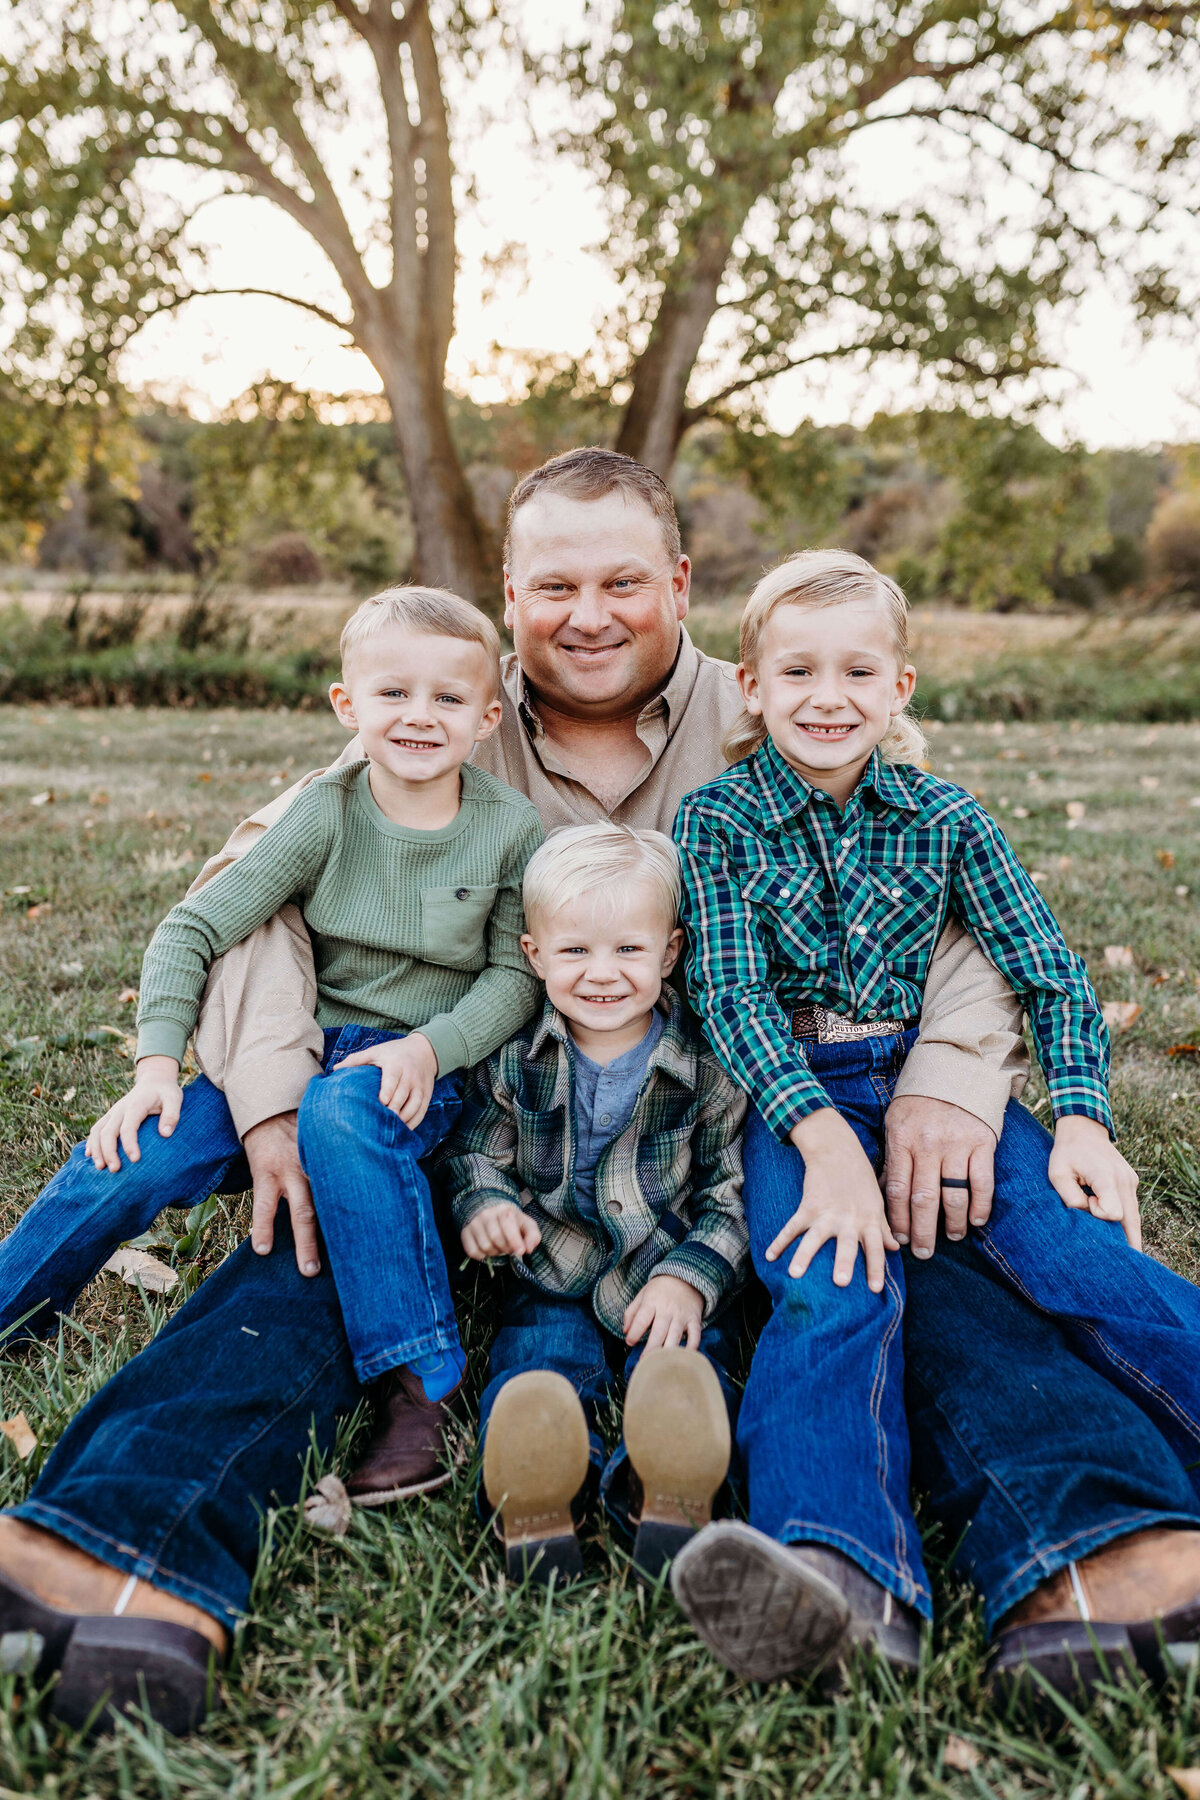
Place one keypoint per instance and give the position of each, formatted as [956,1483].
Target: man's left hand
[930,1142]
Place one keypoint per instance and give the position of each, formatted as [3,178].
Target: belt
[831,1028]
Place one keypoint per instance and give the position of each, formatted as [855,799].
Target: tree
[724,134]
[252,95]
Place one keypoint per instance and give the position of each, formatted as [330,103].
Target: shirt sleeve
[999,904]
[729,982]
[505,994]
[220,914]
[475,1163]
[714,1256]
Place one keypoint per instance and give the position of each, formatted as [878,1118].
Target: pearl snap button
[845,843]
[860,931]
[897,893]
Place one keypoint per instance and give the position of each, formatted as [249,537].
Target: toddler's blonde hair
[818,578]
[428,611]
[600,859]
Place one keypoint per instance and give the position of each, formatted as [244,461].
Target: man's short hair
[600,859]
[430,612]
[590,474]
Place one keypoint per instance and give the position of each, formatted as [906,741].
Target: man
[151,1503]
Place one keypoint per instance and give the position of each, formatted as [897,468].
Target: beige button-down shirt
[258,1039]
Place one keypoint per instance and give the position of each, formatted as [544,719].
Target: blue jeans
[1054,1374]
[370,1192]
[561,1333]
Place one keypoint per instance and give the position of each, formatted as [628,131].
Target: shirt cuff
[701,1268]
[940,1072]
[162,1037]
[449,1045]
[1081,1099]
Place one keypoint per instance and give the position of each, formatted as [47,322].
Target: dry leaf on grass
[1119,1015]
[1187,1779]
[1118,956]
[136,1266]
[1149,782]
[1184,1050]
[20,1435]
[328,1507]
[1076,809]
[959,1754]
[127,997]
[1166,858]
[42,799]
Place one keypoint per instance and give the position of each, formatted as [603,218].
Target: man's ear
[510,598]
[343,705]
[533,956]
[747,680]
[906,681]
[489,721]
[681,587]
[671,953]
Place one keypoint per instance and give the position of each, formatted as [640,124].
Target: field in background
[398,1662]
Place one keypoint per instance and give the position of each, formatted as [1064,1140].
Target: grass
[398,1661]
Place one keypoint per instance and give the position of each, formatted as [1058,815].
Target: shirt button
[462,893]
[606,1118]
[860,931]
[786,894]
[872,1014]
[846,843]
[897,893]
[615,1206]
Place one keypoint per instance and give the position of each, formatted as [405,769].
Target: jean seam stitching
[58,1512]
[881,1445]
[984,1468]
[1114,1527]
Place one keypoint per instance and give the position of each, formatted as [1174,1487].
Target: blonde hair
[818,578]
[429,612]
[600,859]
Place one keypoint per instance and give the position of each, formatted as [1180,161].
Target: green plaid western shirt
[789,900]
[668,1187]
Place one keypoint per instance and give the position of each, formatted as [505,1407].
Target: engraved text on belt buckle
[832,1028]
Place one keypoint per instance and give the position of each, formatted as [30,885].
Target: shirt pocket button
[462,893]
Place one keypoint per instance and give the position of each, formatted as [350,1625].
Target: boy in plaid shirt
[600,1151]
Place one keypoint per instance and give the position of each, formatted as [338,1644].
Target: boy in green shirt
[407,868]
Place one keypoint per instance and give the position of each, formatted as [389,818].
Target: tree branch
[311,306]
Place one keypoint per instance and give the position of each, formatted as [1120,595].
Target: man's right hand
[274,1158]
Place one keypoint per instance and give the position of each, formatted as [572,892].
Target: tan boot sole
[677,1436]
[535,1460]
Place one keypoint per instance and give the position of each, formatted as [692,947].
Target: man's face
[594,603]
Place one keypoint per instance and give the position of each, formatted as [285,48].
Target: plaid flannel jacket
[668,1188]
[789,901]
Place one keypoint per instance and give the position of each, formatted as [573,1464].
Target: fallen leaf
[1184,1050]
[1119,1015]
[1020,812]
[1037,874]
[142,1270]
[67,1096]
[1076,809]
[959,1754]
[1160,980]
[43,799]
[1166,858]
[1063,863]
[100,798]
[36,912]
[1118,956]
[328,1507]
[1187,1779]
[21,890]
[1149,782]
[71,968]
[127,997]
[1182,891]
[20,1435]
[204,775]
[36,1090]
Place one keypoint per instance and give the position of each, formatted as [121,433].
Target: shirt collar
[785,794]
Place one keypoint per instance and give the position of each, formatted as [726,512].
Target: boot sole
[33,1636]
[1072,1658]
[535,1460]
[112,1665]
[678,1440]
[761,1611]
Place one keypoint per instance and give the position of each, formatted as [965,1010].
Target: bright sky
[1118,391]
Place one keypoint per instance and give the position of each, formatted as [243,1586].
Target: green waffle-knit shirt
[411,930]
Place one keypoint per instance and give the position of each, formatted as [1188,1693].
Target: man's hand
[930,1142]
[274,1158]
[502,1230]
[407,1067]
[670,1309]
[841,1201]
[155,1090]
[1084,1156]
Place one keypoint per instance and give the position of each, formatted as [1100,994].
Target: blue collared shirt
[790,900]
[605,1096]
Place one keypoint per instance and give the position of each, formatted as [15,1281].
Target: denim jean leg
[558,1333]
[169,1471]
[1031,1457]
[377,1217]
[85,1213]
[822,1430]
[1135,1321]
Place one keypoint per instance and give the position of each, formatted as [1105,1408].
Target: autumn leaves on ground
[396,1660]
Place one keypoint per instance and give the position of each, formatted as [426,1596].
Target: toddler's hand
[841,1200]
[155,1090]
[407,1071]
[502,1230]
[671,1310]
[1085,1156]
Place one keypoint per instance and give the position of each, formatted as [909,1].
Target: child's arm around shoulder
[476,1162]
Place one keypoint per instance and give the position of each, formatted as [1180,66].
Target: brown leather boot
[1135,1602]
[408,1452]
[109,1635]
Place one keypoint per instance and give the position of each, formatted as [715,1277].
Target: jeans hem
[380,1362]
[901,1586]
[1056,1557]
[124,1556]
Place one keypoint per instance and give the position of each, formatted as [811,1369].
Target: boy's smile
[603,961]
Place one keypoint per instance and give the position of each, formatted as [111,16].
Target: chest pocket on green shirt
[453,922]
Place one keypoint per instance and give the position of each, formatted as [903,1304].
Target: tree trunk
[654,419]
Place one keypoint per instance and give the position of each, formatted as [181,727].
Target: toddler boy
[407,868]
[600,1151]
